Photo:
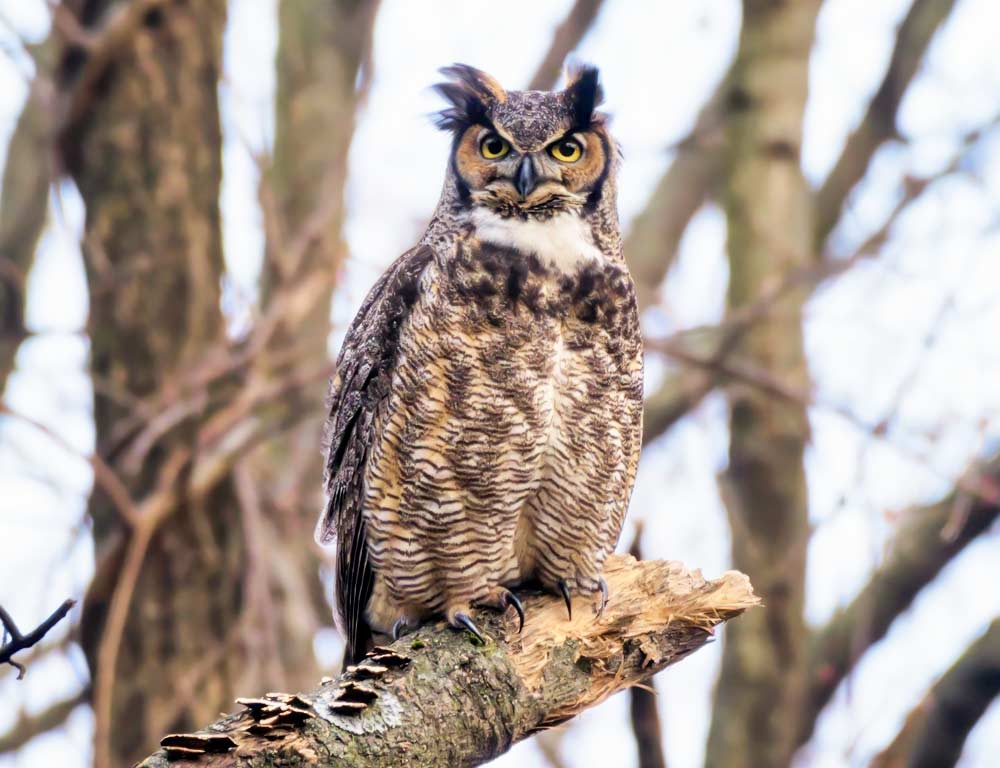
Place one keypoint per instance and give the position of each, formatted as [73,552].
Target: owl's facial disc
[527,153]
[501,173]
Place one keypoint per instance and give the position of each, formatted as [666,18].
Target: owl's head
[527,153]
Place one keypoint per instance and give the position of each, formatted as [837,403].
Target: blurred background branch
[813,259]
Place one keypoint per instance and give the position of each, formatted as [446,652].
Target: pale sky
[866,332]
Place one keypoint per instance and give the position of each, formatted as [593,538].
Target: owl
[485,415]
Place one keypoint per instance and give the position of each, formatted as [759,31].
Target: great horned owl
[486,411]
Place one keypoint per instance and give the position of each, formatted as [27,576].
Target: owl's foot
[510,599]
[600,585]
[401,627]
[500,599]
[603,586]
[564,589]
[460,620]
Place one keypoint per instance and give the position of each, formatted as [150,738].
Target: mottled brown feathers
[486,414]
[472,94]
[364,368]
[529,117]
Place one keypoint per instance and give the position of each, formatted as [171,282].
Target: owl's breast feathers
[485,426]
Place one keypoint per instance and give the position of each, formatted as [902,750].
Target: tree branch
[879,123]
[27,727]
[934,733]
[655,235]
[566,38]
[24,204]
[19,641]
[437,695]
[929,539]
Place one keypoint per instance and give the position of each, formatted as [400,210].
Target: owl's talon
[508,598]
[603,586]
[564,589]
[400,628]
[467,623]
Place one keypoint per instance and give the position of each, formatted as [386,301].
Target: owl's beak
[526,178]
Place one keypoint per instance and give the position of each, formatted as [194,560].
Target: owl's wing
[362,380]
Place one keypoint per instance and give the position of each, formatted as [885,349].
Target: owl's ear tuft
[471,93]
[583,92]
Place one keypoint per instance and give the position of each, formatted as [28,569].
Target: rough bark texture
[769,215]
[145,152]
[929,538]
[935,732]
[436,698]
[196,595]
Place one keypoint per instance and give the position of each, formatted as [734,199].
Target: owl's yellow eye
[492,147]
[566,151]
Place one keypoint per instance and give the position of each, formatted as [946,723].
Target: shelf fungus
[191,745]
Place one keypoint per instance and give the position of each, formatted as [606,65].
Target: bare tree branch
[27,727]
[930,537]
[879,123]
[438,695]
[935,732]
[19,641]
[567,37]
[655,234]
[678,395]
[24,204]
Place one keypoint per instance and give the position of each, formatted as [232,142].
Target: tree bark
[436,698]
[196,594]
[935,732]
[143,143]
[768,208]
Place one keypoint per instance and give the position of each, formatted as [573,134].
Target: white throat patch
[564,241]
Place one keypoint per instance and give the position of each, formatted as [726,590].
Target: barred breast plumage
[486,414]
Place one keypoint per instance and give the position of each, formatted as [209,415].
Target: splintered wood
[435,697]
[647,624]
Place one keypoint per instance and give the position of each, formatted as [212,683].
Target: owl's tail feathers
[359,643]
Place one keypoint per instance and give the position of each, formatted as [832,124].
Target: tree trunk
[323,54]
[436,698]
[146,155]
[203,584]
[769,216]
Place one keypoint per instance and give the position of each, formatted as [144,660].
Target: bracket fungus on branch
[437,697]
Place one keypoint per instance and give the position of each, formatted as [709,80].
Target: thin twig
[104,475]
[19,641]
